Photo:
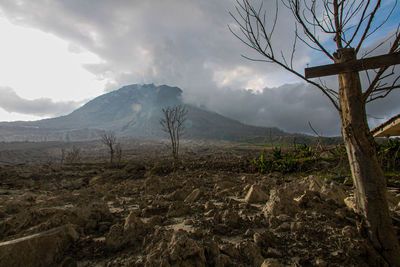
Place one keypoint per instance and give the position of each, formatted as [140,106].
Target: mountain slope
[135,110]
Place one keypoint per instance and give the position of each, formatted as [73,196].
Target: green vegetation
[388,154]
[332,163]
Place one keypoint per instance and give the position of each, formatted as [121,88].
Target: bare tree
[109,139]
[346,25]
[118,153]
[63,152]
[73,155]
[172,123]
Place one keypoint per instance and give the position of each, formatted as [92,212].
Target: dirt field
[214,209]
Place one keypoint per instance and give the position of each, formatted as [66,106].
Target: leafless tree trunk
[73,156]
[118,153]
[172,123]
[63,152]
[349,23]
[109,139]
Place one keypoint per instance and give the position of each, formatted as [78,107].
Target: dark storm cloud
[291,106]
[11,102]
[188,44]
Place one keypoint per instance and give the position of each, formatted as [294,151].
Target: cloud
[290,107]
[188,44]
[11,102]
[183,43]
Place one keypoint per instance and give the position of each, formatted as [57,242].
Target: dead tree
[172,123]
[118,153]
[345,25]
[63,153]
[109,139]
[73,155]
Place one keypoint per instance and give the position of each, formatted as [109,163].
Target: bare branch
[173,123]
[109,139]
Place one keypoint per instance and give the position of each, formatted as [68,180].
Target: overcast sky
[56,55]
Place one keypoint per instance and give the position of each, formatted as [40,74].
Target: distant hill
[133,110]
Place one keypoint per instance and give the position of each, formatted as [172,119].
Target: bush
[388,153]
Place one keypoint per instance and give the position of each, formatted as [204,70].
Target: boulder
[256,194]
[42,249]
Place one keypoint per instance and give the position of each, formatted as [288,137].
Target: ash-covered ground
[211,209]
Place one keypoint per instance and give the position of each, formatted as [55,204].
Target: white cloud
[43,107]
[42,65]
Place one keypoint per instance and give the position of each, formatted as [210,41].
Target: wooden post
[370,184]
[353,65]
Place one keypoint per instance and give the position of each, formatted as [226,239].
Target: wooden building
[388,128]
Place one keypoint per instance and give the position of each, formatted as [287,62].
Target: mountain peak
[135,110]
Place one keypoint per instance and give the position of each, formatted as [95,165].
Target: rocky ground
[212,210]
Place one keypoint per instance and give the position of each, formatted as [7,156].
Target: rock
[285,226]
[184,251]
[222,185]
[326,155]
[213,255]
[133,223]
[230,250]
[252,252]
[393,200]
[178,209]
[265,239]
[177,195]
[315,183]
[92,214]
[309,200]
[209,205]
[231,218]
[256,194]
[350,202]
[94,180]
[332,191]
[283,218]
[194,196]
[42,249]
[271,263]
[133,230]
[280,202]
[115,237]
